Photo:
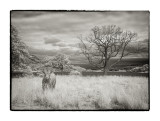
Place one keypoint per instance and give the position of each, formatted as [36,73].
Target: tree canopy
[60,62]
[21,58]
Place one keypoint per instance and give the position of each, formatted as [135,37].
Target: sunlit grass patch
[76,92]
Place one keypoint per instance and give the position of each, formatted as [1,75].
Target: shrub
[78,68]
[75,72]
[144,68]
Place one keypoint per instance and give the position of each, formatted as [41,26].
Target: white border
[7,5]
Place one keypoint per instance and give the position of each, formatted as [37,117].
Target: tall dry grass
[81,93]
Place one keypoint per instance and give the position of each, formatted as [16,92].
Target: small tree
[105,43]
[60,61]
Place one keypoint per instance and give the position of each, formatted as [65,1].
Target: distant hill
[82,62]
[124,63]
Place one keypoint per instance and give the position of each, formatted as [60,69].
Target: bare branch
[128,38]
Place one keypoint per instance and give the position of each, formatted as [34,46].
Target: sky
[49,33]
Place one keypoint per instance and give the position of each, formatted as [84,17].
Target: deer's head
[47,72]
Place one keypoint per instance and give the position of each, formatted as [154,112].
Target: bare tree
[105,43]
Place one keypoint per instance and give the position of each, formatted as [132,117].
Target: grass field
[81,93]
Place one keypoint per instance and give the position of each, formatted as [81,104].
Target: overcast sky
[47,33]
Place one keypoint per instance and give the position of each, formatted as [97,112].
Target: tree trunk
[106,69]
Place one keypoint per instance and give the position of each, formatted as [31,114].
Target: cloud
[27,14]
[74,45]
[60,44]
[68,51]
[51,40]
[52,52]
[141,46]
[145,41]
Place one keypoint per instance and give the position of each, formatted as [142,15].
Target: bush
[144,68]
[75,72]
[78,68]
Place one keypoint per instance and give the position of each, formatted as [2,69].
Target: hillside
[132,62]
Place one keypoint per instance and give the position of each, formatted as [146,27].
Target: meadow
[76,92]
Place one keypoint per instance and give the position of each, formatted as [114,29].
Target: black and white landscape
[79,60]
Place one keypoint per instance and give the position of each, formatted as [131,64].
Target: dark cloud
[144,46]
[52,41]
[141,46]
[52,52]
[60,44]
[146,41]
[27,14]
[74,45]
[68,51]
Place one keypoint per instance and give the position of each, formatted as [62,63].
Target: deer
[49,79]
